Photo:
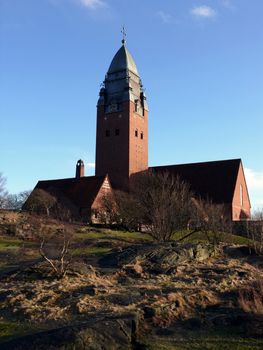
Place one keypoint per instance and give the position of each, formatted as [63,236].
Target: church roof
[211,180]
[80,191]
[123,60]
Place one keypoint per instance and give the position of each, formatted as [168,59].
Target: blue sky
[201,63]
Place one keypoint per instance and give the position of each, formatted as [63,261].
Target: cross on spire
[123,35]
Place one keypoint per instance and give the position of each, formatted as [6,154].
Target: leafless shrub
[107,212]
[63,213]
[250,299]
[55,249]
[255,231]
[16,201]
[164,203]
[209,218]
[120,208]
[3,191]
[40,201]
[129,210]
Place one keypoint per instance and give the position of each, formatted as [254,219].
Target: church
[122,151]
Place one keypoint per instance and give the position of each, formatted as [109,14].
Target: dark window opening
[141,135]
[107,133]
[136,133]
[117,132]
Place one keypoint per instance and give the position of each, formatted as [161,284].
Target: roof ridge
[74,178]
[210,161]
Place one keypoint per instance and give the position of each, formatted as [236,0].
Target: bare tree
[107,212]
[40,201]
[209,218]
[158,202]
[129,210]
[258,215]
[54,248]
[255,231]
[164,203]
[3,191]
[16,201]
[119,208]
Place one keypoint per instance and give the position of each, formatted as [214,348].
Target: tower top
[123,61]
[122,82]
[123,31]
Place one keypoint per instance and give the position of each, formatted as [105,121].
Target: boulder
[158,258]
[108,333]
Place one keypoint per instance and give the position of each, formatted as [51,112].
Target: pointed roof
[80,191]
[123,60]
[214,180]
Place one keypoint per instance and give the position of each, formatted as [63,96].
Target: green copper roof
[123,60]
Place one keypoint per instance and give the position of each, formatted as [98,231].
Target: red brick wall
[138,153]
[240,207]
[122,155]
[112,153]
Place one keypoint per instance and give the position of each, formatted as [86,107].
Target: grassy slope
[201,341]
[201,237]
[87,241]
[10,330]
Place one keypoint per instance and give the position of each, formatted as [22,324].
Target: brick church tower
[122,122]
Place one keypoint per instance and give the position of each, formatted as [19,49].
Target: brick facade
[240,203]
[121,144]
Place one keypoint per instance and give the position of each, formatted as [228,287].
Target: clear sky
[201,63]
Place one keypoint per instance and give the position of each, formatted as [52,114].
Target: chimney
[80,172]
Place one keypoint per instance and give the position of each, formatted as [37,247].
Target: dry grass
[181,306]
[44,300]
[251,298]
[184,293]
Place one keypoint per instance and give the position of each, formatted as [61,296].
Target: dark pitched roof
[214,180]
[80,191]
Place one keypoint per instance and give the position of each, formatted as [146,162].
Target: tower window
[107,133]
[136,133]
[136,105]
[117,132]
[141,135]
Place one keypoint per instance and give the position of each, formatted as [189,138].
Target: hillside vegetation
[125,290]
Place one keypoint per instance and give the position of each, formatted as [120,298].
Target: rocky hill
[123,291]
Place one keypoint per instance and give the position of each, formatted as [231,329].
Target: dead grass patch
[250,298]
[181,305]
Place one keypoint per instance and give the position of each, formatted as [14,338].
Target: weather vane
[123,35]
